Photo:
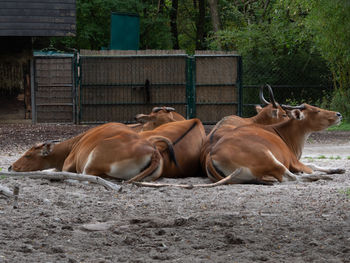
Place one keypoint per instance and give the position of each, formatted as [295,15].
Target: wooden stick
[64,176]
[190,186]
[15,193]
[5,191]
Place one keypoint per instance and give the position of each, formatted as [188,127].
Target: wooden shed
[22,21]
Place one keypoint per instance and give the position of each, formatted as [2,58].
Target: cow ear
[143,118]
[258,108]
[296,114]
[47,149]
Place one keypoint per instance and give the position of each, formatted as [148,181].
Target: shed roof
[37,18]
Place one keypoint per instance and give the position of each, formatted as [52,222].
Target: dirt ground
[79,222]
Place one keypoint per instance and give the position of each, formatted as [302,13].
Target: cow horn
[288,107]
[170,108]
[261,95]
[272,97]
[156,109]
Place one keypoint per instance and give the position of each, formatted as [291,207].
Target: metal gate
[117,87]
[53,88]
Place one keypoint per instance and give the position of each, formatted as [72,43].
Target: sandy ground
[78,222]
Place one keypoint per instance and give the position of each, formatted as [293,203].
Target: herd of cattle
[263,149]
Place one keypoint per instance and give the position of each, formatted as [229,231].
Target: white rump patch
[244,176]
[128,168]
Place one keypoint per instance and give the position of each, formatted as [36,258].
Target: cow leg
[325,169]
[69,166]
[310,168]
[309,177]
[289,176]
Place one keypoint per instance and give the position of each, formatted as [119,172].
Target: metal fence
[117,86]
[218,86]
[294,81]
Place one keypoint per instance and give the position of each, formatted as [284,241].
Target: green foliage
[344,126]
[329,22]
[346,192]
[93,24]
[282,42]
[274,44]
[341,102]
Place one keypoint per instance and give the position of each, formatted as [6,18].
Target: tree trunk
[161,5]
[173,23]
[200,25]
[215,18]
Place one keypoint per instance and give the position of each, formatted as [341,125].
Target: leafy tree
[329,23]
[275,45]
[93,24]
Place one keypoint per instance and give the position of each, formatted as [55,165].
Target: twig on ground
[64,176]
[190,186]
[15,193]
[5,191]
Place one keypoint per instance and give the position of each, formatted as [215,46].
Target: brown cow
[187,137]
[112,149]
[268,152]
[158,116]
[270,114]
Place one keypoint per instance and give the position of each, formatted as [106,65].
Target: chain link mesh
[292,84]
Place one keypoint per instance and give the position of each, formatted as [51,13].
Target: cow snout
[10,168]
[339,115]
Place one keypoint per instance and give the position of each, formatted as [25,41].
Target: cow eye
[27,155]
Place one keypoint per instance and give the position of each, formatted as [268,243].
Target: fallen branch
[15,193]
[64,176]
[5,191]
[190,186]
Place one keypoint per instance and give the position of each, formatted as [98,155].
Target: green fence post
[191,87]
[79,88]
[240,86]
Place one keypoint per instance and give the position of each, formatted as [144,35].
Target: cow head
[158,116]
[314,118]
[272,112]
[35,159]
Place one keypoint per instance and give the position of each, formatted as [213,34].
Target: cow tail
[153,171]
[172,157]
[211,171]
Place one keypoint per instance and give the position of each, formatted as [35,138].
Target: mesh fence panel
[116,88]
[216,87]
[292,84]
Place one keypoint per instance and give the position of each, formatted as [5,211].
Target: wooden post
[27,93]
[32,89]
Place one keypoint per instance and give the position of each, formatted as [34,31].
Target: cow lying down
[116,150]
[268,153]
[109,150]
